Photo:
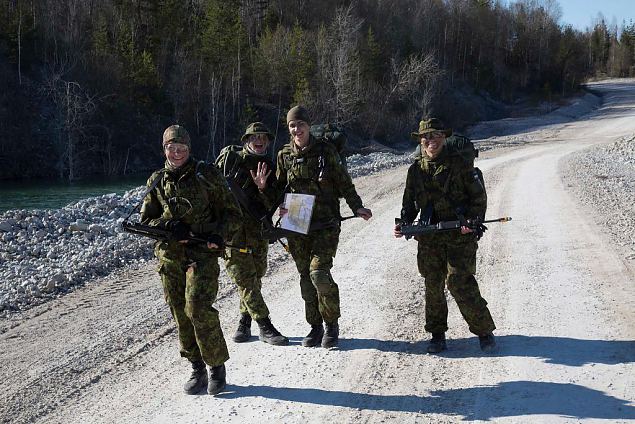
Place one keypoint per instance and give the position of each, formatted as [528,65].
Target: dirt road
[560,294]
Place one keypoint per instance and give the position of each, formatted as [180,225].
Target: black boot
[243,333]
[331,336]
[197,380]
[217,381]
[487,342]
[437,343]
[314,337]
[269,334]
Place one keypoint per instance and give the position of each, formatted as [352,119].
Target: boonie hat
[431,125]
[256,128]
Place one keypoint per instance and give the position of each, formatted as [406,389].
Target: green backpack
[331,133]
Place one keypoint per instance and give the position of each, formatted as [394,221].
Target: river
[54,194]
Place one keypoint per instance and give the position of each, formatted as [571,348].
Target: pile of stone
[46,253]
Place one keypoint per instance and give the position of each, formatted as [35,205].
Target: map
[300,208]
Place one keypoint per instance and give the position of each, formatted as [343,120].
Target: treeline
[90,84]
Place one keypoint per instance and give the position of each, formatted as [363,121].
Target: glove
[179,230]
[216,239]
[479,229]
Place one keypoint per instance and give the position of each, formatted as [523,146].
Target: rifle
[411,230]
[162,234]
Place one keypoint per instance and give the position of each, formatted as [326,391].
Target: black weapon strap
[155,182]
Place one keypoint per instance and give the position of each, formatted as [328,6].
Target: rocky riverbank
[47,253]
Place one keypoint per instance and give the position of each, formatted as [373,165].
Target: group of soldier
[189,197]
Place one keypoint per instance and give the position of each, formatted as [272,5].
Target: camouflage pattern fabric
[442,186]
[313,255]
[317,170]
[247,270]
[445,259]
[189,274]
[190,284]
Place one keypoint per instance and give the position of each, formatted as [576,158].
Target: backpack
[331,133]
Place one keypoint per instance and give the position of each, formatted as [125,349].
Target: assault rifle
[162,234]
[411,230]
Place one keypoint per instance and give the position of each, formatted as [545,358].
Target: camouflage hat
[256,128]
[298,113]
[431,125]
[176,134]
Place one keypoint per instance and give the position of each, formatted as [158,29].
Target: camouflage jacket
[236,162]
[196,194]
[317,170]
[442,187]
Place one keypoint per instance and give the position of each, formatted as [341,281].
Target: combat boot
[437,343]
[331,336]
[243,333]
[217,381]
[487,342]
[314,337]
[269,334]
[197,380]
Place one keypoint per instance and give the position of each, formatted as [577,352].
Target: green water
[51,194]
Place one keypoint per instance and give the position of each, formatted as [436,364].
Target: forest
[88,86]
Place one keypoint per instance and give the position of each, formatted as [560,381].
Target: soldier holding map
[313,167]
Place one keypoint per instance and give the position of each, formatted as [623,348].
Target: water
[52,194]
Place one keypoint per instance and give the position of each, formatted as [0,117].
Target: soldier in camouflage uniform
[309,166]
[188,197]
[442,187]
[250,168]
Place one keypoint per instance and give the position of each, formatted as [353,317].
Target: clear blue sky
[581,13]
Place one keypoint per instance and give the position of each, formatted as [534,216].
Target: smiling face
[258,143]
[176,153]
[299,131]
[432,143]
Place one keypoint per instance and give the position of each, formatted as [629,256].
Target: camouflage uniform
[317,170]
[196,194]
[439,187]
[247,270]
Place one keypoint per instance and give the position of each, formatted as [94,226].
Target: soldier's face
[299,131]
[432,143]
[258,143]
[176,153]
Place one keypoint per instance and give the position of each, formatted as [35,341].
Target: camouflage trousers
[190,285]
[450,260]
[246,271]
[313,255]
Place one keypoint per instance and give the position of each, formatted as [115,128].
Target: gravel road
[558,278]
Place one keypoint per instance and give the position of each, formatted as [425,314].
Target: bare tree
[338,64]
[74,108]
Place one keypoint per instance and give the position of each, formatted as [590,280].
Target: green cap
[176,134]
[256,128]
[431,125]
[298,113]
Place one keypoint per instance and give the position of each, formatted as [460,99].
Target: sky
[581,13]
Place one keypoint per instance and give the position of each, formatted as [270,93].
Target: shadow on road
[554,350]
[508,399]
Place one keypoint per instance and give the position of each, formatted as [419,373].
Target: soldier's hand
[180,231]
[364,213]
[260,175]
[466,230]
[214,241]
[396,231]
[283,211]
